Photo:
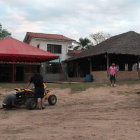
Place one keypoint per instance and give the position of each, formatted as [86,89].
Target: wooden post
[90,65]
[107,57]
[138,66]
[67,70]
[77,69]
[60,68]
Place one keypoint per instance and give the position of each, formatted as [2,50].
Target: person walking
[113,72]
[37,79]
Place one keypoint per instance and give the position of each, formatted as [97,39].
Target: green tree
[4,33]
[83,44]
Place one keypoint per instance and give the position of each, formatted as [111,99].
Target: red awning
[16,51]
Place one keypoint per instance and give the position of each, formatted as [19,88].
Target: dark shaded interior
[17,73]
[81,67]
[5,72]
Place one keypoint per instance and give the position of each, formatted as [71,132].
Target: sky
[71,18]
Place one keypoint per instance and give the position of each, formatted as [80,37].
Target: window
[54,48]
[38,46]
[52,68]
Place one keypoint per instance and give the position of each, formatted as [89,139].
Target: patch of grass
[124,92]
[128,82]
[12,85]
[75,87]
[120,92]
[80,87]
[0,93]
[137,91]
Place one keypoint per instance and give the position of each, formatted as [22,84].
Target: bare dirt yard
[100,113]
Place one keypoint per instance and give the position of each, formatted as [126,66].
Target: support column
[130,66]
[77,69]
[67,71]
[107,64]
[90,65]
[60,68]
[138,66]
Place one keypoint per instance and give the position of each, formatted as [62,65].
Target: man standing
[37,79]
[113,71]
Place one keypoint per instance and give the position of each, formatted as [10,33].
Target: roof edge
[30,35]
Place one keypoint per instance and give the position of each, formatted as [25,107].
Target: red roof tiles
[30,35]
[74,51]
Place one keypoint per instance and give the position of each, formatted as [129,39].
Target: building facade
[122,49]
[19,61]
[56,44]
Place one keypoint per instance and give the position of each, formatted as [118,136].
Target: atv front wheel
[31,103]
[52,99]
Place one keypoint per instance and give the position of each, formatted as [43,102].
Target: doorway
[5,72]
[19,73]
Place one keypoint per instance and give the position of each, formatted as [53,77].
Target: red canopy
[16,51]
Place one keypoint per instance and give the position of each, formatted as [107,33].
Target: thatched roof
[126,43]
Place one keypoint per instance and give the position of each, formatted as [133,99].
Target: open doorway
[19,73]
[5,72]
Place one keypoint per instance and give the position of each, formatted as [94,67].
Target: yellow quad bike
[26,97]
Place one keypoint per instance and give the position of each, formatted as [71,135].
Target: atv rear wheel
[52,99]
[31,103]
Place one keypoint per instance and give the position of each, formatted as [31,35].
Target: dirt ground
[101,113]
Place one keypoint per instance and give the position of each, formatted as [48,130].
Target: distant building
[73,52]
[122,49]
[56,44]
[18,60]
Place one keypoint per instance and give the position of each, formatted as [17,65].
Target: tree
[4,33]
[83,44]
[99,37]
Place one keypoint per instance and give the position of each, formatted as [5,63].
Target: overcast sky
[71,18]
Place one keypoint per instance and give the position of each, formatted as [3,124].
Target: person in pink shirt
[112,72]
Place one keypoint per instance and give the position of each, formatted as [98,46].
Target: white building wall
[43,45]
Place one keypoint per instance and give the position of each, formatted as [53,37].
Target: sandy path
[102,113]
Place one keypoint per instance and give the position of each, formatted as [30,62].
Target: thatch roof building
[123,49]
[126,43]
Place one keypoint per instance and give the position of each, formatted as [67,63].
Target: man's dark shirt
[37,79]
